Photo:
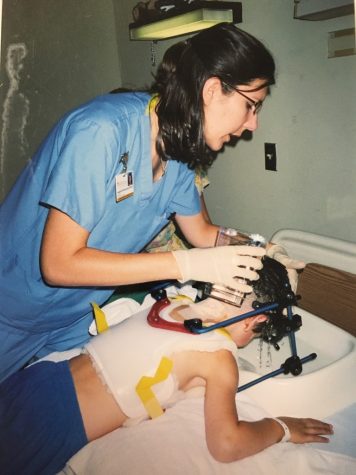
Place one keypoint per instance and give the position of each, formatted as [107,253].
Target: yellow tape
[144,387]
[100,318]
[224,332]
[152,104]
[180,297]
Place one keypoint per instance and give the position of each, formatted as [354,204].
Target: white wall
[56,54]
[310,116]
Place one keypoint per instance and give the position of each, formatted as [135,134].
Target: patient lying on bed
[49,411]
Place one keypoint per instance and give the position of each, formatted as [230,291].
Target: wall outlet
[270,157]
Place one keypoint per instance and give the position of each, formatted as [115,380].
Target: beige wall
[310,116]
[83,49]
[55,55]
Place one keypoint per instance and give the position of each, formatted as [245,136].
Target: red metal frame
[155,320]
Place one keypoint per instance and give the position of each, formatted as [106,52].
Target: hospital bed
[174,444]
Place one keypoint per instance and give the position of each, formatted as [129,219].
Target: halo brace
[277,327]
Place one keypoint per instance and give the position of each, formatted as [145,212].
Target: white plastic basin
[326,384]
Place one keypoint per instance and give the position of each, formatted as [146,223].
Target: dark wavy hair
[273,277]
[271,286]
[222,51]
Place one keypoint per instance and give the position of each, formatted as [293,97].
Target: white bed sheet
[174,444]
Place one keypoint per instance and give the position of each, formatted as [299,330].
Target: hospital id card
[124,186]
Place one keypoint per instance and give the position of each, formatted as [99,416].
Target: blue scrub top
[74,171]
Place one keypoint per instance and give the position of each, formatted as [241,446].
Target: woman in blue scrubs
[108,178]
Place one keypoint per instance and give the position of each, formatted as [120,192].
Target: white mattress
[174,444]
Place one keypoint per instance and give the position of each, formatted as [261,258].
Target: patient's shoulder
[196,368]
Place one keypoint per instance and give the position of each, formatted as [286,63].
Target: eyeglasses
[255,105]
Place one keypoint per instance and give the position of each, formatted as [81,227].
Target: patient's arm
[229,439]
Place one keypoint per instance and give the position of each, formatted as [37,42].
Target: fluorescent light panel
[189,22]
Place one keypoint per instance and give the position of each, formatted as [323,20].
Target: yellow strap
[100,318]
[144,387]
[224,332]
[152,104]
[180,297]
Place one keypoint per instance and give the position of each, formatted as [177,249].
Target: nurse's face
[228,114]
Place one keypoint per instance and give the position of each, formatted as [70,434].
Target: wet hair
[273,277]
[222,51]
[271,285]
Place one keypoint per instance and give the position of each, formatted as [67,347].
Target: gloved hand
[277,252]
[223,265]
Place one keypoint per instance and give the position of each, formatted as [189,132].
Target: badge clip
[124,181]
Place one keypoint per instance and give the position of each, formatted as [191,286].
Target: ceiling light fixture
[191,18]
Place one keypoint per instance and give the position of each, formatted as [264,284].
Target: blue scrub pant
[40,421]
[20,346]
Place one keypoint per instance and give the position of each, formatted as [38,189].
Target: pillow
[330,294]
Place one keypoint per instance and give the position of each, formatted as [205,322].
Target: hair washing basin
[326,384]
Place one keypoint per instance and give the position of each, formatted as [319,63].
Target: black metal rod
[276,372]
[291,334]
[232,320]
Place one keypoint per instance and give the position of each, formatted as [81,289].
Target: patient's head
[273,279]
[272,282]
[269,288]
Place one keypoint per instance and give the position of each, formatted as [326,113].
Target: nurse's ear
[211,89]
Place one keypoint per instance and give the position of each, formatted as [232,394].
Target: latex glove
[223,265]
[279,253]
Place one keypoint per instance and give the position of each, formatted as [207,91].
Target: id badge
[124,185]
